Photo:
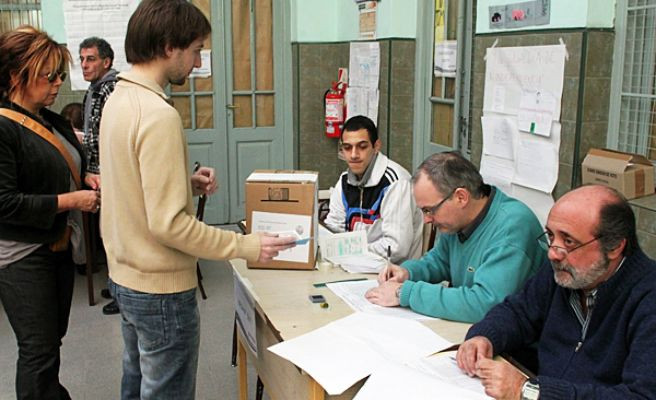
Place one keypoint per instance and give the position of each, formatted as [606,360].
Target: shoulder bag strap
[40,130]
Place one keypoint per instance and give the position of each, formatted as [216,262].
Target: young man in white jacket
[375,194]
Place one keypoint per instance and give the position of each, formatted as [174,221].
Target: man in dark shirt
[592,310]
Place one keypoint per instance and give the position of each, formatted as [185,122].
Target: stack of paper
[353,294]
[347,350]
[349,250]
[436,377]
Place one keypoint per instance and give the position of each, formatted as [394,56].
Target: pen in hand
[388,270]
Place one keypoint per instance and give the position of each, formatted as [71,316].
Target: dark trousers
[36,293]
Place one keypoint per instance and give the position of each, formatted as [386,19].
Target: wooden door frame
[422,120]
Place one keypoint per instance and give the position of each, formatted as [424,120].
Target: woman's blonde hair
[24,52]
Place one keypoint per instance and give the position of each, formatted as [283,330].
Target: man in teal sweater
[486,250]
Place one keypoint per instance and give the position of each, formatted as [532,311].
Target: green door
[237,120]
[258,99]
[442,99]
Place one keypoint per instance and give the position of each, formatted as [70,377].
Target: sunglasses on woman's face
[51,77]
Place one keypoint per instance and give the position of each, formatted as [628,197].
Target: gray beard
[581,280]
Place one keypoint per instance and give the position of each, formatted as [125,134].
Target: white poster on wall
[364,72]
[106,19]
[520,123]
[512,70]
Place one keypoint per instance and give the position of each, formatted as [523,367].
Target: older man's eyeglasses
[546,242]
[51,77]
[431,210]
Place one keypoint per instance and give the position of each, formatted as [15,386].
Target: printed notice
[536,112]
[499,136]
[107,19]
[297,226]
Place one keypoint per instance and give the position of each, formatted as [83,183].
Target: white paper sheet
[362,101]
[347,350]
[392,381]
[499,135]
[445,58]
[536,112]
[444,367]
[498,172]
[498,99]
[279,223]
[353,294]
[350,251]
[516,69]
[373,97]
[539,202]
[344,244]
[364,64]
[536,160]
[205,69]
[245,314]
[107,19]
[367,263]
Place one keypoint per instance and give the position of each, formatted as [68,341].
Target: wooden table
[284,312]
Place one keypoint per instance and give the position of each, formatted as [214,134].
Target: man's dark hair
[358,122]
[158,24]
[617,222]
[104,49]
[449,171]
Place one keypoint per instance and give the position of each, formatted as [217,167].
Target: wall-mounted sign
[521,14]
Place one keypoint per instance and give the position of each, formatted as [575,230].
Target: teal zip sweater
[494,262]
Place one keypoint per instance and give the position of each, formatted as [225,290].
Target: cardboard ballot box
[631,174]
[284,202]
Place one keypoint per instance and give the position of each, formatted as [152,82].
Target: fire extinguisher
[335,109]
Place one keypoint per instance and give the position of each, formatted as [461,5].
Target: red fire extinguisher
[335,109]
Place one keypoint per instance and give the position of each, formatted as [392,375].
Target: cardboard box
[284,202]
[631,174]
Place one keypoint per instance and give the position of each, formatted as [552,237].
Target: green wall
[324,21]
[564,14]
[317,21]
[53,19]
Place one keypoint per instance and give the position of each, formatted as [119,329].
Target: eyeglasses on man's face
[546,242]
[51,77]
[431,210]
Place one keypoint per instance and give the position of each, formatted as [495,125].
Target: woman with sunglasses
[41,202]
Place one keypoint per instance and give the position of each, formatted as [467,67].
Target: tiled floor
[91,351]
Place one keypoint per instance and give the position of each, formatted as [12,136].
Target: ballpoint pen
[323,284]
[387,267]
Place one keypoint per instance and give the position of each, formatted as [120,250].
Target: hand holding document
[288,228]
[271,245]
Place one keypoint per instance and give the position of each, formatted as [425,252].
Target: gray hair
[104,48]
[449,171]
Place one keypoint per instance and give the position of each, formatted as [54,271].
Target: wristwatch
[531,389]
[398,292]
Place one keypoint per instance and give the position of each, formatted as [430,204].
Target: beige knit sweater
[148,223]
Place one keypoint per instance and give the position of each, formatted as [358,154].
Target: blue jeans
[161,333]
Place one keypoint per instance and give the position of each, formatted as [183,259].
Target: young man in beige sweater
[151,236]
